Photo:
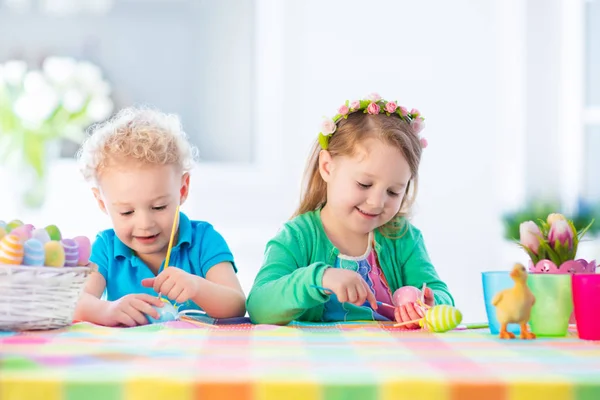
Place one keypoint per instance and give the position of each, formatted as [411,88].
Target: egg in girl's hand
[405,295]
[11,250]
[41,234]
[24,231]
[15,223]
[85,249]
[54,232]
[55,254]
[71,252]
[34,254]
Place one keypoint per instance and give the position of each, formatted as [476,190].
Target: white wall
[455,61]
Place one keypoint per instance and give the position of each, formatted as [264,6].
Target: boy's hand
[429,299]
[129,310]
[174,283]
[348,286]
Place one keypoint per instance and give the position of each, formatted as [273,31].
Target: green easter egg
[54,232]
[55,254]
[15,223]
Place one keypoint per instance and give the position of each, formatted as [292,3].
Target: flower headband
[373,104]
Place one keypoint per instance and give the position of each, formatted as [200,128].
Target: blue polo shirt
[198,249]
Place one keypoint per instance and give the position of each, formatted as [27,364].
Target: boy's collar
[185,236]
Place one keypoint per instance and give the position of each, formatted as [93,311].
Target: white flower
[14,71]
[88,74]
[328,126]
[59,70]
[35,82]
[73,100]
[34,108]
[99,108]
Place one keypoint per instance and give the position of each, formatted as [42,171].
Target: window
[189,57]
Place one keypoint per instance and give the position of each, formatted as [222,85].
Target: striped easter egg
[24,231]
[11,250]
[85,248]
[441,318]
[34,254]
[71,252]
[2,232]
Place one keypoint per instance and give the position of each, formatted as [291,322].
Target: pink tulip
[530,234]
[561,232]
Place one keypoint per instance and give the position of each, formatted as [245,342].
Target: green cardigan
[298,255]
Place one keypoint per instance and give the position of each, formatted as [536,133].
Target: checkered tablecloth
[179,360]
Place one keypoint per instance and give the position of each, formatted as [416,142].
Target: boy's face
[365,191]
[141,201]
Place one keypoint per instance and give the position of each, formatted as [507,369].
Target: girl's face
[141,201]
[365,191]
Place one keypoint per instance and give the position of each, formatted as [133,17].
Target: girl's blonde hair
[351,132]
[136,134]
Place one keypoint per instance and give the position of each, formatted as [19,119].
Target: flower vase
[579,266]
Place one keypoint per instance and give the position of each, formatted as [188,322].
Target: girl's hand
[348,286]
[409,312]
[429,299]
[174,283]
[412,311]
[129,310]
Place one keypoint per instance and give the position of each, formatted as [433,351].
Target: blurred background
[510,90]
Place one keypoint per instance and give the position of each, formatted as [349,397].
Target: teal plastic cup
[494,282]
[553,303]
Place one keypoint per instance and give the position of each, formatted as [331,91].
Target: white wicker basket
[37,298]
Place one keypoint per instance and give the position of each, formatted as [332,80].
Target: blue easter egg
[2,224]
[166,313]
[33,253]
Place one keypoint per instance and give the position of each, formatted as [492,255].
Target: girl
[349,244]
[139,164]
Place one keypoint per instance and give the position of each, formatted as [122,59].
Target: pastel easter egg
[15,223]
[54,232]
[166,313]
[441,318]
[85,249]
[2,224]
[24,231]
[11,250]
[34,254]
[42,235]
[405,295]
[71,252]
[55,254]
[2,232]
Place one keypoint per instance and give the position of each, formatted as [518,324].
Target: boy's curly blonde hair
[136,134]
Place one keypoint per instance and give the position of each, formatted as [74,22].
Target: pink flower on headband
[415,113]
[355,105]
[417,125]
[391,107]
[424,142]
[343,110]
[328,127]
[374,97]
[403,111]
[373,108]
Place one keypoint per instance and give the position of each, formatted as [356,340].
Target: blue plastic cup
[494,282]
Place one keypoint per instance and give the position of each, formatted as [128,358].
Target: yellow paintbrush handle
[172,237]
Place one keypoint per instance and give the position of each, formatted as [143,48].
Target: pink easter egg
[405,295]
[23,231]
[85,249]
[71,252]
